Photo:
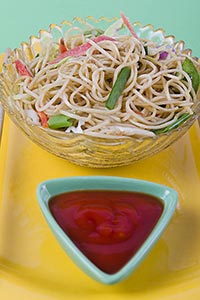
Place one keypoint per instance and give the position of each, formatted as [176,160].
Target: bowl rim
[169,199]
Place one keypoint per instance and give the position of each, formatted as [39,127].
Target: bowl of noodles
[101,92]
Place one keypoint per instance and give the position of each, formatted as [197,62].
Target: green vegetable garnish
[190,69]
[174,125]
[118,87]
[59,121]
[93,32]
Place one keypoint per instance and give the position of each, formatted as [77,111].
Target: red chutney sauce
[107,226]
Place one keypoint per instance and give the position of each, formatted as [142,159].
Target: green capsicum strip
[59,121]
[191,70]
[118,87]
[174,125]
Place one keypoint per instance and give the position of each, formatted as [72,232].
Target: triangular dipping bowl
[50,188]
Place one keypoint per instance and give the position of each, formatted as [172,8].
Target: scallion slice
[118,87]
[59,121]
[191,70]
[174,125]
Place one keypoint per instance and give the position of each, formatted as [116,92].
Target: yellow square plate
[33,265]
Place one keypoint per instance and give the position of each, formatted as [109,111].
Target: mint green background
[22,18]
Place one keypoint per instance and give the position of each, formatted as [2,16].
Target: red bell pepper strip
[62,46]
[128,25]
[43,119]
[80,50]
[22,68]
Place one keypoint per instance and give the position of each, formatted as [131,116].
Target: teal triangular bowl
[50,188]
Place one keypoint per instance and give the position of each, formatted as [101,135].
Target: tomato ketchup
[107,226]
